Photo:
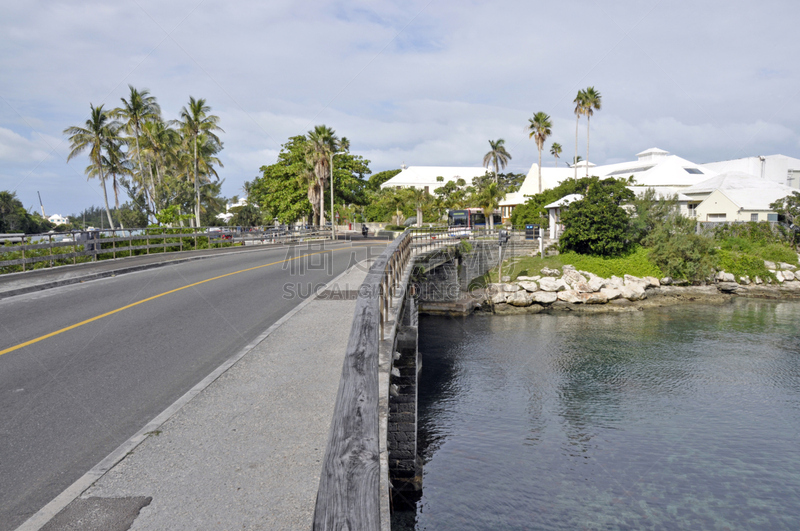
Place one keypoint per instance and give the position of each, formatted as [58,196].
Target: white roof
[747,191]
[420,176]
[564,201]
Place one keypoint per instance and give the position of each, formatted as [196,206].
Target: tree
[539,129]
[381,177]
[139,108]
[555,150]
[592,101]
[14,217]
[419,197]
[497,156]
[322,142]
[99,134]
[488,199]
[194,121]
[597,224]
[678,250]
[650,212]
[579,110]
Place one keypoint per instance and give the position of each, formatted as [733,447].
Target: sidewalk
[246,451]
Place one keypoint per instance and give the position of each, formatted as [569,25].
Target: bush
[680,252]
[742,264]
[636,263]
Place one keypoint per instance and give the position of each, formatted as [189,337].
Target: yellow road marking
[112,312]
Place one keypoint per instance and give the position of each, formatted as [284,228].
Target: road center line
[137,303]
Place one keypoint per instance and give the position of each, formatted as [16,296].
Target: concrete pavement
[242,450]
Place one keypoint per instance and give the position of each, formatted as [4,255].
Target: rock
[611,293]
[519,298]
[778,275]
[544,297]
[680,282]
[533,279]
[758,281]
[528,285]
[666,281]
[509,288]
[722,276]
[549,284]
[547,272]
[786,267]
[633,292]
[498,298]
[727,287]
[568,267]
[596,283]
[769,265]
[570,296]
[615,282]
[505,279]
[582,287]
[745,280]
[572,277]
[652,282]
[630,280]
[593,298]
[789,275]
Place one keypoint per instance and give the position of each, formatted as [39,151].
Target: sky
[420,82]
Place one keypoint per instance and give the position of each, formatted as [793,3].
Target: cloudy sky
[421,82]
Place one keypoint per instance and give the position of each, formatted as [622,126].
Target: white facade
[735,196]
[58,219]
[425,177]
[776,168]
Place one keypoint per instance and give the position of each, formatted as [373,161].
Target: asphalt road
[68,400]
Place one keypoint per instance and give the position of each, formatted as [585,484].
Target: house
[426,177]
[653,168]
[776,168]
[554,213]
[58,219]
[735,196]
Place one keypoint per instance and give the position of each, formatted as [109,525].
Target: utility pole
[40,203]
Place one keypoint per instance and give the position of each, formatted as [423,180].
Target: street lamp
[333,215]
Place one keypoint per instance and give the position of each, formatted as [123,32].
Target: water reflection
[684,417]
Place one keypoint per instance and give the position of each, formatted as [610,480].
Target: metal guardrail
[51,249]
[349,495]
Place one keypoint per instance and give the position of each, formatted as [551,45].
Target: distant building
[776,168]
[227,215]
[58,219]
[425,177]
[735,196]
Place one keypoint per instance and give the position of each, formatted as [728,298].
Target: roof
[426,175]
[747,191]
[564,201]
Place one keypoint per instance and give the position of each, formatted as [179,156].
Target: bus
[470,218]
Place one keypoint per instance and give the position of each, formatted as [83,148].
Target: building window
[754,217]
[716,217]
[772,217]
[692,208]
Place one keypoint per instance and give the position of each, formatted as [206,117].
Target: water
[680,418]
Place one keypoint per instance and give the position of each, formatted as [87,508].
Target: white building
[58,219]
[426,177]
[735,196]
[776,168]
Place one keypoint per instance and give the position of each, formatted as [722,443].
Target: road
[84,367]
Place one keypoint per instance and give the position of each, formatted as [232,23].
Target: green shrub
[679,252]
[636,263]
[742,264]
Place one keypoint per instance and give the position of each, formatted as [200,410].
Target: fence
[52,249]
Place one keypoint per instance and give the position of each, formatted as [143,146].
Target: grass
[635,263]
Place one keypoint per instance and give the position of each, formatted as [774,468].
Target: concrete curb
[45,514]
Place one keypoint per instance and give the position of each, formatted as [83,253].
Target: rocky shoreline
[580,291]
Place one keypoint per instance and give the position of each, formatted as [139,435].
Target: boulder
[568,267]
[652,282]
[611,293]
[633,292]
[498,298]
[786,267]
[533,279]
[572,278]
[778,275]
[758,281]
[528,286]
[666,281]
[722,276]
[505,279]
[582,287]
[549,284]
[544,297]
[547,272]
[615,282]
[631,280]
[509,288]
[593,298]
[789,275]
[727,287]
[597,283]
[770,265]
[570,296]
[519,298]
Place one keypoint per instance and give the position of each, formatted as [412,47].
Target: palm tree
[579,109]
[195,121]
[539,127]
[555,150]
[497,156]
[100,133]
[592,100]
[322,142]
[140,107]
[488,199]
[420,198]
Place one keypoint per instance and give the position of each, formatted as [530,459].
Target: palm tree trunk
[196,187]
[587,144]
[496,171]
[575,158]
[105,195]
[540,169]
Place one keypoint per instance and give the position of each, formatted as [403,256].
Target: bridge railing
[350,483]
[35,251]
